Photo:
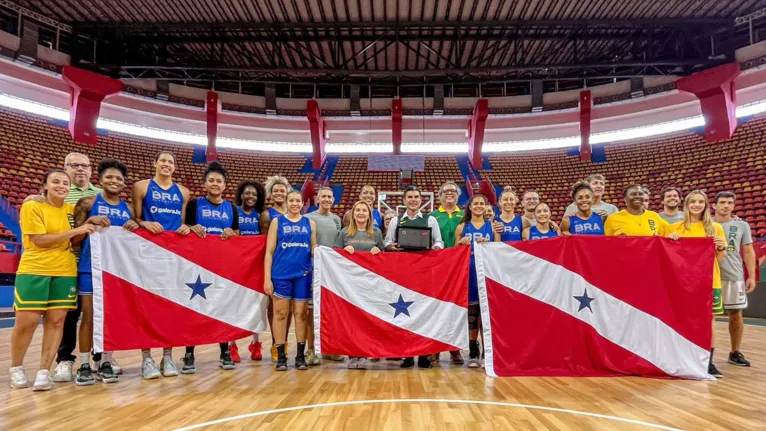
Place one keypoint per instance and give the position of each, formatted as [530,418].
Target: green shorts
[41,292]
[717,301]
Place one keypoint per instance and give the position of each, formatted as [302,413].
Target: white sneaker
[362,364]
[473,363]
[43,381]
[63,372]
[353,363]
[116,369]
[19,378]
[149,369]
[168,368]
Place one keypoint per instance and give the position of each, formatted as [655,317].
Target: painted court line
[426,400]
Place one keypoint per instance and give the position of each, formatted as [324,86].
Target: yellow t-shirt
[697,230]
[624,223]
[56,260]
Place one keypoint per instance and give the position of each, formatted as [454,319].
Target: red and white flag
[597,306]
[390,304]
[167,291]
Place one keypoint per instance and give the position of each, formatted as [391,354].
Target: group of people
[54,275]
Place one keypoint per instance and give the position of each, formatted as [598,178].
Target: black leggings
[224,348]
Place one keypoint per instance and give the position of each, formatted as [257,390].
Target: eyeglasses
[79,165]
[449,191]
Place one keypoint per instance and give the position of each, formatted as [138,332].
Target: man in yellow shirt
[46,279]
[634,220]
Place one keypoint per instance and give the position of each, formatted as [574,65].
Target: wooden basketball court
[330,396]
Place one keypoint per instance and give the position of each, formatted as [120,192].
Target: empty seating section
[30,146]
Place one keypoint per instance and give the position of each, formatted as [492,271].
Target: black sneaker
[226,362]
[300,363]
[425,362]
[738,359]
[106,373]
[407,363]
[84,376]
[282,363]
[713,371]
[189,366]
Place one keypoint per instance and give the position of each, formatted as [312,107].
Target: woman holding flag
[212,214]
[287,272]
[542,228]
[511,225]
[360,235]
[105,209]
[253,220]
[474,229]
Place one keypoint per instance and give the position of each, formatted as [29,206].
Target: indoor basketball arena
[370,214]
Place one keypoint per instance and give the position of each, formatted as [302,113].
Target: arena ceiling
[404,41]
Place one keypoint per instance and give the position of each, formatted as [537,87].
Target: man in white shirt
[413,217]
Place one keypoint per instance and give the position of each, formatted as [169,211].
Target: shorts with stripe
[297,289]
[85,283]
[717,301]
[42,292]
[734,296]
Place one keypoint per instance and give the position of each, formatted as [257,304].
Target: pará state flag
[597,306]
[390,304]
[167,291]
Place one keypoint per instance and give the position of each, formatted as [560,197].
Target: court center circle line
[426,400]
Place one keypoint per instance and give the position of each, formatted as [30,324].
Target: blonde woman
[697,223]
[360,235]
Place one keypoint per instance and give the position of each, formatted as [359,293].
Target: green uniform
[448,223]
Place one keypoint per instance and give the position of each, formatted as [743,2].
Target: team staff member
[105,209]
[413,217]
[328,226]
[369,195]
[287,271]
[159,204]
[541,229]
[508,224]
[735,287]
[360,235]
[386,221]
[449,216]
[597,183]
[277,188]
[253,220]
[529,201]
[671,199]
[584,221]
[46,278]
[474,229]
[697,223]
[212,214]
[634,220]
[78,168]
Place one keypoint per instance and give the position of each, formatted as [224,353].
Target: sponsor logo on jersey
[156,210]
[286,245]
[587,227]
[113,212]
[214,214]
[511,229]
[476,236]
[294,229]
[731,246]
[248,220]
[165,196]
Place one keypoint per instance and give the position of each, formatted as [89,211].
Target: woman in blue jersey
[159,204]
[584,221]
[472,230]
[368,195]
[277,188]
[509,225]
[287,271]
[542,227]
[105,209]
[212,215]
[253,220]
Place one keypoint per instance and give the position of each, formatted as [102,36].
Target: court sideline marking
[425,400]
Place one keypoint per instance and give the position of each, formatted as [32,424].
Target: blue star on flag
[198,288]
[401,306]
[585,301]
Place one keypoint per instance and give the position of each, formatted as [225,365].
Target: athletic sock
[167,352]
[255,338]
[106,357]
[712,350]
[232,343]
[146,353]
[189,349]
[281,349]
[224,348]
[84,359]
[301,350]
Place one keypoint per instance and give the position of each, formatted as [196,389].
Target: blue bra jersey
[118,215]
[273,214]
[512,230]
[163,206]
[534,233]
[292,257]
[594,225]
[248,224]
[377,220]
[214,218]
[470,231]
